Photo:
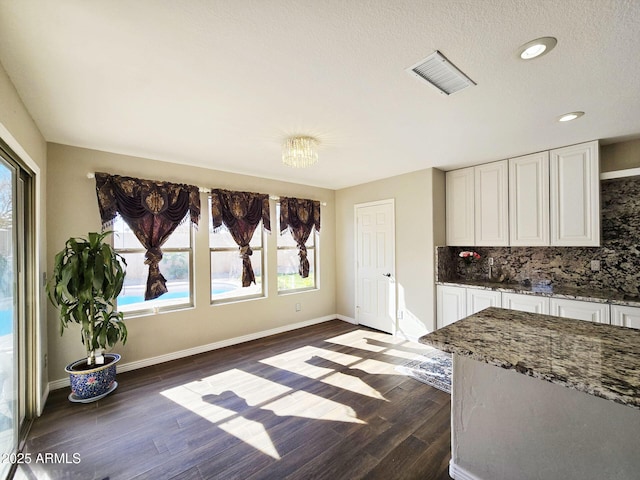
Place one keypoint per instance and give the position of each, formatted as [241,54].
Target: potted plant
[87,277]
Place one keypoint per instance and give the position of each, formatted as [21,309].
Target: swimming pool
[138,296]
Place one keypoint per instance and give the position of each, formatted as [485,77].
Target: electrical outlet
[490,261]
[298,307]
[595,265]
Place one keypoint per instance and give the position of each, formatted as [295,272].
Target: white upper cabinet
[547,198]
[575,195]
[460,207]
[529,200]
[492,204]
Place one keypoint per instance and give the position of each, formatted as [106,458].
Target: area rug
[433,368]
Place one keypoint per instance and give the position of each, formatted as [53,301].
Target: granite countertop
[575,293]
[602,360]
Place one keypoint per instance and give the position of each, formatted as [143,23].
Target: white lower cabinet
[625,316]
[451,305]
[526,303]
[455,303]
[479,299]
[590,311]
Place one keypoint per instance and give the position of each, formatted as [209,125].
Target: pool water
[217,288]
[6,322]
[139,298]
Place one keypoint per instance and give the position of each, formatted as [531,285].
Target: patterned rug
[433,368]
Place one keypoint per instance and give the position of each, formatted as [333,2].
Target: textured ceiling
[220,84]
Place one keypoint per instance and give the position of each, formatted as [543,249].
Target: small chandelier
[300,152]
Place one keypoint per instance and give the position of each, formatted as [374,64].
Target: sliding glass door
[14,188]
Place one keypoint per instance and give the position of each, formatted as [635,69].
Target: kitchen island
[563,402]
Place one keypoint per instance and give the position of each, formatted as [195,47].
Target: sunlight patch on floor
[379,342]
[321,364]
[358,339]
[221,399]
[252,433]
[307,405]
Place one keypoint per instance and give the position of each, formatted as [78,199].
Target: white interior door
[375,265]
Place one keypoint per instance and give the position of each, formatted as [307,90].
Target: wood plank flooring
[323,402]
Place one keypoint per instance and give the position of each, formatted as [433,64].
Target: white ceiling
[220,84]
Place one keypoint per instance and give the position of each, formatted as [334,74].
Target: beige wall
[419,215]
[73,211]
[620,156]
[20,132]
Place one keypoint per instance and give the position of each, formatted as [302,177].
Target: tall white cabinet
[492,204]
[460,216]
[529,200]
[477,203]
[575,195]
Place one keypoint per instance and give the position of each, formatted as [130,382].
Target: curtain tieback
[245,251]
[153,257]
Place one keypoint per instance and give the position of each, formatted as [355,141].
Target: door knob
[388,275]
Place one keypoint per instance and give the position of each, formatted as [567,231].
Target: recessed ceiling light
[567,117]
[537,47]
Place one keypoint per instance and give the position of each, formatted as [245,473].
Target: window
[226,265]
[176,266]
[289,279]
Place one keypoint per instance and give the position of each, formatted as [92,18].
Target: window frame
[156,309]
[235,249]
[316,263]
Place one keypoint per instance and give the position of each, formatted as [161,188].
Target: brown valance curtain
[240,213]
[153,210]
[300,216]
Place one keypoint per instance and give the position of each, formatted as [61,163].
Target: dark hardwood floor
[323,402]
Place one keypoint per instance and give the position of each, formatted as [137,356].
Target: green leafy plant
[87,278]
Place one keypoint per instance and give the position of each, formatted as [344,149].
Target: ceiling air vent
[441,73]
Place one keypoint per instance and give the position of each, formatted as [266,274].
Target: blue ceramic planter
[88,385]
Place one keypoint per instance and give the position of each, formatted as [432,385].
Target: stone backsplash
[619,253]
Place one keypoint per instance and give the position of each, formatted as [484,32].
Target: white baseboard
[344,318]
[458,473]
[147,362]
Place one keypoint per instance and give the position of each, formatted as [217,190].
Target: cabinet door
[529,200]
[460,207]
[590,311]
[526,303]
[492,204]
[479,299]
[625,316]
[451,305]
[575,195]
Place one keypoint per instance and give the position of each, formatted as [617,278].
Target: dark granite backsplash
[619,253]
